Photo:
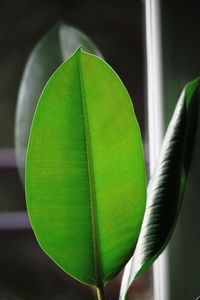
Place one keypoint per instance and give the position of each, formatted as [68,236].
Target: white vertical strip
[154,81]
[155,122]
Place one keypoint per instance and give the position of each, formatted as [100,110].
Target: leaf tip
[78,51]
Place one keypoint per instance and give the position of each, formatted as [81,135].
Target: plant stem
[100,293]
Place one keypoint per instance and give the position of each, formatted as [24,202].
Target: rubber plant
[85,175]
[86,180]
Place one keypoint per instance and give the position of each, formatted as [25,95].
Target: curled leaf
[166,187]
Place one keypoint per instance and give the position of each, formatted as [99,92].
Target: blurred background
[118,31]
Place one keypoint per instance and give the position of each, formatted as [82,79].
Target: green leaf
[53,49]
[166,187]
[85,175]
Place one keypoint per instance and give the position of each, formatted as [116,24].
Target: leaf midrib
[95,230]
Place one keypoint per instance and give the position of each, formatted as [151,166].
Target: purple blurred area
[7,158]
[117,29]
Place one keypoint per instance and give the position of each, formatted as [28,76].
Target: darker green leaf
[166,187]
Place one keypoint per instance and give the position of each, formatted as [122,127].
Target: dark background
[116,27]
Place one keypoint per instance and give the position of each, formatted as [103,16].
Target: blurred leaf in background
[53,49]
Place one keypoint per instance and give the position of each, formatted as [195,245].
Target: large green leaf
[85,175]
[166,186]
[53,49]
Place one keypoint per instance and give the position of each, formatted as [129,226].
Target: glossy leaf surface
[166,186]
[85,176]
[53,49]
